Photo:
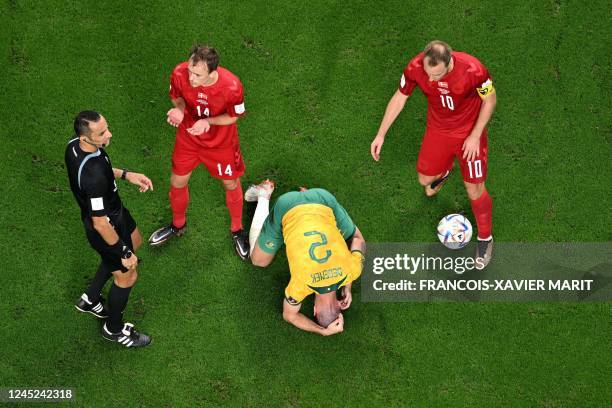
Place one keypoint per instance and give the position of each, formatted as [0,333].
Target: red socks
[482,208]
[179,200]
[233,200]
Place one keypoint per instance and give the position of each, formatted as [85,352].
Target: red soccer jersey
[224,96]
[454,101]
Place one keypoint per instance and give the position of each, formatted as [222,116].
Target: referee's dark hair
[81,122]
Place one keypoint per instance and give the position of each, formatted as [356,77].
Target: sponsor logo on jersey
[443,91]
[443,84]
[202,95]
[270,245]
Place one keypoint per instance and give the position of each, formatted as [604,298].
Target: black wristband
[121,250]
[124,173]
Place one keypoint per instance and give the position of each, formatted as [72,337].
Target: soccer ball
[454,231]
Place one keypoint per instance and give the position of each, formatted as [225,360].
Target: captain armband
[485,89]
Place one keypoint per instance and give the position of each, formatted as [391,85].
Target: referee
[109,227]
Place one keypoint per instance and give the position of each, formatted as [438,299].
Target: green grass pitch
[317,77]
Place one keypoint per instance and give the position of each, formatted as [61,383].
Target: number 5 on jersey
[228,170]
[320,242]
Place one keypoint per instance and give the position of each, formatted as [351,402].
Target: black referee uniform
[92,181]
[93,184]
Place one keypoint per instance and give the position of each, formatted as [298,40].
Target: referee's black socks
[117,300]
[95,287]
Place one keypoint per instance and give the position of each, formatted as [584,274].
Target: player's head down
[326,308]
[91,127]
[437,60]
[203,61]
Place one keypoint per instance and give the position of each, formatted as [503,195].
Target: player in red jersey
[208,100]
[460,101]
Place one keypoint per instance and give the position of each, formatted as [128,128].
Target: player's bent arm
[101,224]
[291,314]
[222,120]
[394,107]
[357,242]
[138,179]
[179,103]
[105,229]
[485,114]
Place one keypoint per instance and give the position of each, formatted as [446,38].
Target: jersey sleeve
[95,186]
[296,291]
[175,85]
[357,260]
[408,82]
[482,80]
[235,100]
[271,237]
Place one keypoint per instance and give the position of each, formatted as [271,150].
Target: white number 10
[475,168]
[449,102]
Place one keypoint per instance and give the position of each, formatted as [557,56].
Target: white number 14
[206,111]
[228,169]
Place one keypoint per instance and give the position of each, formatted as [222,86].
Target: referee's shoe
[86,306]
[127,337]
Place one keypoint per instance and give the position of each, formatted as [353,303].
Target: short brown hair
[437,51]
[206,54]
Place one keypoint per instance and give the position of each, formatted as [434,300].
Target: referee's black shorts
[124,225]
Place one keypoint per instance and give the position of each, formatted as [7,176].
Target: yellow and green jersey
[314,227]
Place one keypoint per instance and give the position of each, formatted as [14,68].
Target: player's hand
[140,180]
[175,117]
[471,147]
[337,326]
[345,303]
[376,146]
[131,262]
[201,126]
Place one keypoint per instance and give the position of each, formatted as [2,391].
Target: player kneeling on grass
[109,227]
[318,233]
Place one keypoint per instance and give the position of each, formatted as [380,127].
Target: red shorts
[439,151]
[222,163]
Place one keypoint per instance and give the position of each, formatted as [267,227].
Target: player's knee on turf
[126,279]
[179,181]
[474,191]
